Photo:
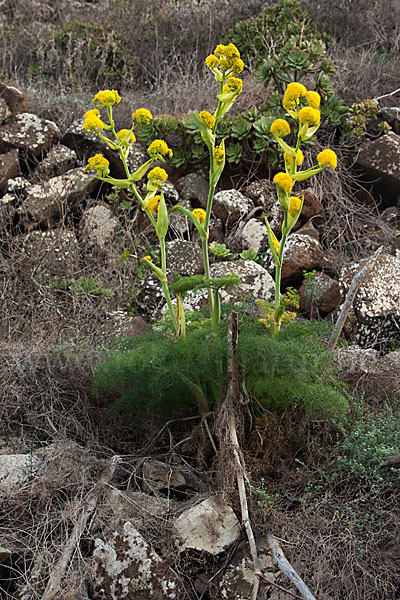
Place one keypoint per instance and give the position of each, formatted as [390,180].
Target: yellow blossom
[207,118]
[148,257]
[157,175]
[93,123]
[292,94]
[280,128]
[284,181]
[212,61]
[299,158]
[219,154]
[294,205]
[309,115]
[152,204]
[91,113]
[313,99]
[107,98]
[124,133]
[98,163]
[236,64]
[142,116]
[233,85]
[200,214]
[327,157]
[276,245]
[159,148]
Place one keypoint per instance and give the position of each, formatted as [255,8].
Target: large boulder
[184,258]
[302,253]
[262,192]
[46,203]
[53,253]
[321,292]
[231,205]
[98,226]
[29,134]
[59,160]
[14,98]
[376,305]
[9,168]
[254,235]
[127,566]
[380,160]
[4,111]
[193,188]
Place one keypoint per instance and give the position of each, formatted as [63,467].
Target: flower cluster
[225,60]
[92,121]
[126,137]
[142,116]
[99,164]
[152,204]
[219,154]
[200,215]
[284,181]
[207,118]
[159,149]
[157,177]
[106,98]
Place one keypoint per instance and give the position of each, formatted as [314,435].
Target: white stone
[17,469]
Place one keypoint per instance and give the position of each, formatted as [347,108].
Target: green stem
[278,276]
[165,285]
[204,242]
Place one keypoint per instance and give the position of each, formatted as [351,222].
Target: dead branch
[88,510]
[355,284]
[233,398]
[392,461]
[284,565]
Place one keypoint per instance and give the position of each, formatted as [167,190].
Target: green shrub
[159,375]
[82,52]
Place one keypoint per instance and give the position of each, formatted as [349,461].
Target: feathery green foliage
[155,374]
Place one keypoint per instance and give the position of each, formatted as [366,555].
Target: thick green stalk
[204,244]
[165,285]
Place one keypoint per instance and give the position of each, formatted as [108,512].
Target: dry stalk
[286,568]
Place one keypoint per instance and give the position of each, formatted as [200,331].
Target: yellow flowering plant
[225,64]
[153,203]
[301,106]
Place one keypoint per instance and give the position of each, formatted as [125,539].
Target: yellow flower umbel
[156,178]
[219,154]
[293,93]
[284,181]
[233,85]
[200,215]
[212,62]
[327,157]
[280,128]
[142,116]
[159,149]
[92,122]
[299,158]
[294,205]
[313,99]
[126,137]
[99,164]
[309,115]
[207,118]
[152,204]
[106,98]
[148,257]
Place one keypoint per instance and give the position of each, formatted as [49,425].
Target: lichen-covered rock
[380,159]
[184,258]
[127,567]
[231,205]
[262,192]
[15,470]
[193,188]
[9,168]
[59,160]
[159,476]
[15,99]
[98,226]
[210,526]
[29,134]
[256,283]
[4,111]
[323,292]
[254,235]
[302,252]
[45,203]
[309,229]
[54,252]
[377,302]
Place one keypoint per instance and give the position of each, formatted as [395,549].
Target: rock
[193,188]
[302,252]
[262,192]
[17,469]
[377,302]
[322,293]
[47,202]
[180,223]
[128,567]
[29,134]
[14,97]
[170,193]
[231,205]
[256,283]
[59,160]
[98,226]
[254,235]
[9,168]
[275,218]
[158,476]
[183,258]
[380,160]
[311,207]
[210,526]
[5,554]
[354,360]
[391,216]
[4,111]
[55,253]
[309,229]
